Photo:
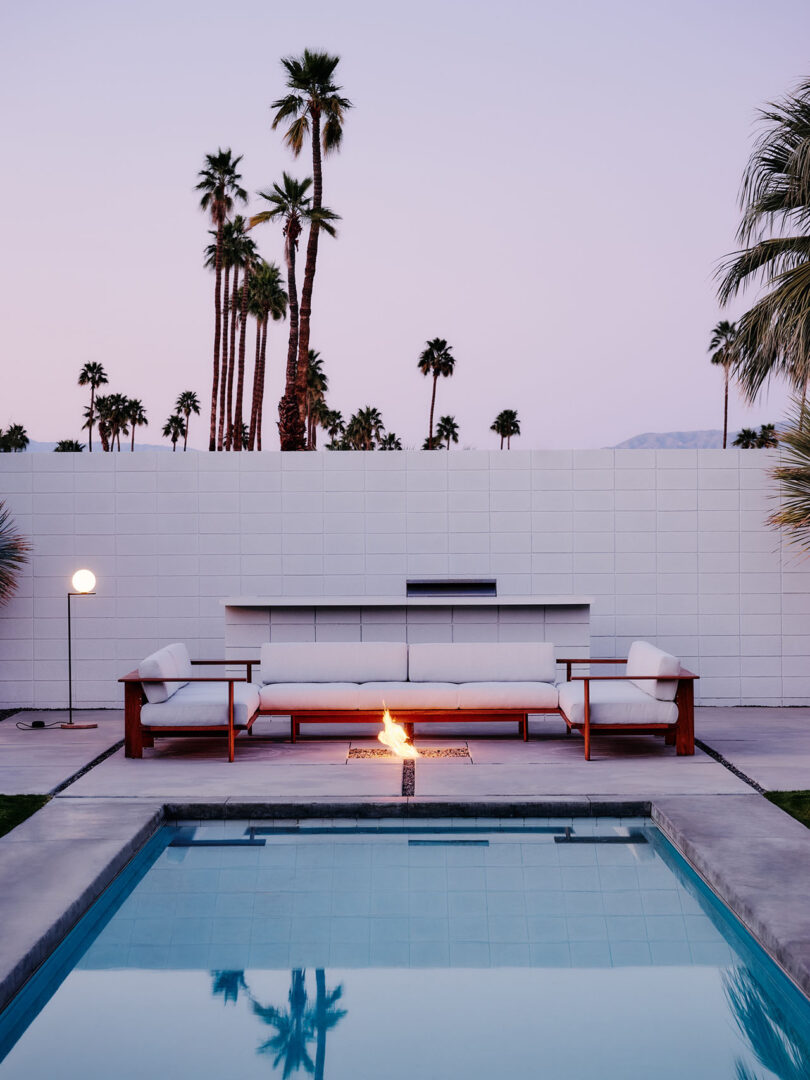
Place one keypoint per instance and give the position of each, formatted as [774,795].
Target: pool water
[571,950]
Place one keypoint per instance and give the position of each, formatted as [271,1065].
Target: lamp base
[77,727]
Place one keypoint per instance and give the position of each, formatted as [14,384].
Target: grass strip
[795,803]
[14,809]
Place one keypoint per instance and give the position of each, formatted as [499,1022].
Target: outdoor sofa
[351,683]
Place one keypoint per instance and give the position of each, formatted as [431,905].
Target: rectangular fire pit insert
[357,752]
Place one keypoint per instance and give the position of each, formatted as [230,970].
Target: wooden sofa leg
[524,725]
[685,727]
[133,735]
[148,739]
[669,736]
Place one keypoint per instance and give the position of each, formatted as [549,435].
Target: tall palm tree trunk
[320,1023]
[92,417]
[132,444]
[217,331]
[260,405]
[236,443]
[231,362]
[289,421]
[309,274]
[185,432]
[255,396]
[725,412]
[225,366]
[432,407]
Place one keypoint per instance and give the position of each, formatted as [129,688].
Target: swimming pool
[565,949]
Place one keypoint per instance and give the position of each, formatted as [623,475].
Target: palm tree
[324,1017]
[435,359]
[68,446]
[793,476]
[390,441]
[136,414]
[291,204]
[174,429]
[364,428]
[267,300]
[219,182]
[723,349]
[317,386]
[314,107]
[14,440]
[746,439]
[780,1048]
[447,430]
[768,437]
[429,444]
[118,414]
[506,424]
[228,985]
[773,336]
[186,404]
[14,551]
[294,1029]
[92,375]
[103,412]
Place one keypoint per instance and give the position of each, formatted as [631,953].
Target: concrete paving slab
[37,762]
[48,880]
[757,859]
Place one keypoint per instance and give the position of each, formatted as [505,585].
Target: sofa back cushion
[334,661]
[646,659]
[463,662]
[171,665]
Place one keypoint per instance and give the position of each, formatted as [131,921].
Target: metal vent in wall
[453,587]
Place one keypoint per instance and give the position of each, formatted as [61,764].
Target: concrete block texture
[668,545]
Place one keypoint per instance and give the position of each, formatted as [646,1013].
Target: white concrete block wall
[670,544]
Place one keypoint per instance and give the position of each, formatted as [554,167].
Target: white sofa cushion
[615,702]
[165,664]
[180,653]
[309,696]
[408,695]
[463,662]
[646,659]
[333,661]
[203,705]
[507,695]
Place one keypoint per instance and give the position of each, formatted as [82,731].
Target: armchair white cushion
[620,702]
[466,662]
[333,661]
[203,705]
[170,664]
[645,659]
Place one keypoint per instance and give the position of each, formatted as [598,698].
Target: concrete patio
[768,745]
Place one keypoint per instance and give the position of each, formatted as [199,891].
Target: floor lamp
[84,584]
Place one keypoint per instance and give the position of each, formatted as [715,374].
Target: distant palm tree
[317,387]
[314,99]
[103,413]
[768,437]
[390,441]
[432,445]
[364,428]
[92,375]
[723,349]
[267,300]
[186,404]
[136,414]
[435,360]
[506,424]
[220,185]
[174,429]
[747,439]
[118,414]
[447,430]
[14,552]
[773,336]
[68,446]
[14,440]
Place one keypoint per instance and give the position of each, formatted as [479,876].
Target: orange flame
[396,738]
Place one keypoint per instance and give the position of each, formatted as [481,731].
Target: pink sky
[546,185]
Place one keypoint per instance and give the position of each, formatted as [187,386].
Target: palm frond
[14,554]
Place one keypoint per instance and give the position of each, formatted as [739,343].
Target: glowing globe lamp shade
[84,581]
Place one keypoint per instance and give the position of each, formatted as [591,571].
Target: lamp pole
[83,582]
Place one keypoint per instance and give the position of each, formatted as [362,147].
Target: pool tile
[626,928]
[470,954]
[548,929]
[429,954]
[630,954]
[586,928]
[590,954]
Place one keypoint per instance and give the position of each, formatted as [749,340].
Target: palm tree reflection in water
[297,1026]
[776,1043]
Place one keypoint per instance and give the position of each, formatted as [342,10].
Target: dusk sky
[548,186]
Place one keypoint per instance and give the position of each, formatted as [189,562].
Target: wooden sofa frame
[138,736]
